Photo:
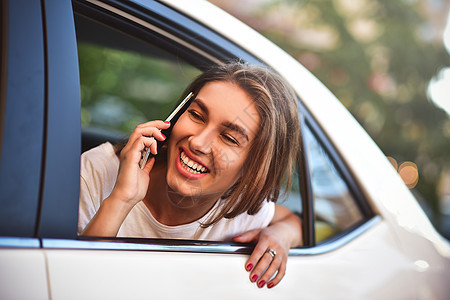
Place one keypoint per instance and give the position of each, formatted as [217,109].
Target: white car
[365,236]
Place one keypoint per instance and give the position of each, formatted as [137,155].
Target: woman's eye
[195,115]
[230,139]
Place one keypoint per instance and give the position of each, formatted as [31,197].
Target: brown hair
[273,152]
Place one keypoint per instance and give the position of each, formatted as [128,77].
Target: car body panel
[345,272]
[23,274]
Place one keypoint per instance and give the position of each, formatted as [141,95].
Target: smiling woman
[217,177]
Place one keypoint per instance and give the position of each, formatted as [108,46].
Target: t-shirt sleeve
[99,168]
[259,220]
[265,214]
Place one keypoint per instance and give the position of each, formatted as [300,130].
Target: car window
[125,81]
[336,210]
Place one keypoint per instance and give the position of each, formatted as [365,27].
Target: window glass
[335,207]
[293,199]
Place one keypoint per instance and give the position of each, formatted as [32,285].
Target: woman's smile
[190,167]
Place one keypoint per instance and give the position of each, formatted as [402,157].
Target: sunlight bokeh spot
[409,173]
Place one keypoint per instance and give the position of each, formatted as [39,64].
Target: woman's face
[211,140]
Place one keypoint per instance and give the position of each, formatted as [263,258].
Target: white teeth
[191,166]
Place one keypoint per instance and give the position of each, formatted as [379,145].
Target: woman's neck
[169,207]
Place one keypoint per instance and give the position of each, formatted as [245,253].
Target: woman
[217,176]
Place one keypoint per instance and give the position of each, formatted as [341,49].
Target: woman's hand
[283,233]
[132,181]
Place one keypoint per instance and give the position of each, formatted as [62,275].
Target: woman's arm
[132,181]
[283,233]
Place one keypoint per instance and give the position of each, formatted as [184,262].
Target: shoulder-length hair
[273,153]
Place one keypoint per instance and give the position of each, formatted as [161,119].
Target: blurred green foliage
[120,89]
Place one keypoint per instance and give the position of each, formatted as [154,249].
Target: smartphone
[173,117]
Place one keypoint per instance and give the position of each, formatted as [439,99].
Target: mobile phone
[173,117]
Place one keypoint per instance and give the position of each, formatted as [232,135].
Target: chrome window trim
[155,29]
[17,242]
[339,241]
[200,246]
[156,245]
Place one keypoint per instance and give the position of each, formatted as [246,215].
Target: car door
[92,268]
[22,261]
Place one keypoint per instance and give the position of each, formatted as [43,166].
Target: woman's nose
[202,141]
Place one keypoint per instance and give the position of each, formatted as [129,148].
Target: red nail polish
[167,122]
[163,135]
[249,267]
[261,283]
[270,285]
[254,278]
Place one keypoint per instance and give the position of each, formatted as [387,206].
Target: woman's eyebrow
[201,104]
[235,127]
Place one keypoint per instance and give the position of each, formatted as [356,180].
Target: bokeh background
[388,62]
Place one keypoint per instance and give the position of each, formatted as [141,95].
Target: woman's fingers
[280,274]
[267,266]
[255,257]
[276,265]
[156,123]
[145,135]
[247,237]
[146,132]
[149,129]
[267,263]
[149,165]
[134,151]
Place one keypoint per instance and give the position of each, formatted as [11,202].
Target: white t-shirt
[99,169]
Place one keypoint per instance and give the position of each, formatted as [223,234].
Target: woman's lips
[189,167]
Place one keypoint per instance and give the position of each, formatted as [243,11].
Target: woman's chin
[182,187]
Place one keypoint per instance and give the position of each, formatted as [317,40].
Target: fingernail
[167,122]
[254,278]
[249,267]
[163,135]
[261,283]
[270,285]
[236,237]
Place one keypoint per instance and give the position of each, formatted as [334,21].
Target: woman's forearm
[291,224]
[108,219]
